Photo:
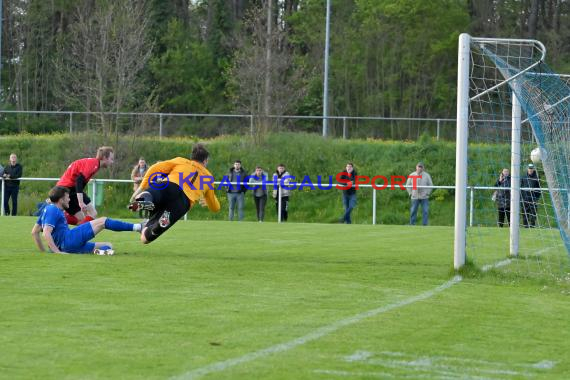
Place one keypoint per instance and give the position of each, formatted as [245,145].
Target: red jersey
[86,166]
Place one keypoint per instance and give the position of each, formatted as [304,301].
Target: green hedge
[304,154]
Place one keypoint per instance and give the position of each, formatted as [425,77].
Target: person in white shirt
[419,196]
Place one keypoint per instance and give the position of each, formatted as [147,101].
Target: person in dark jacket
[503,197]
[260,192]
[12,172]
[529,198]
[283,190]
[349,195]
[236,193]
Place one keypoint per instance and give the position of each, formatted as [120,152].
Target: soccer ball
[537,155]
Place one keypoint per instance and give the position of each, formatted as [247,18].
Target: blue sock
[117,225]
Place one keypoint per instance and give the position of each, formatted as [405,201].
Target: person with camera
[503,197]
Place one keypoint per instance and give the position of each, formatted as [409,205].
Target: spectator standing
[419,196]
[12,172]
[349,195]
[282,177]
[529,198]
[260,193]
[503,197]
[236,192]
[138,173]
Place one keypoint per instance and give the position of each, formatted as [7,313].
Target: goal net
[513,153]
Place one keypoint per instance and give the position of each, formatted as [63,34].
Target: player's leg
[103,245]
[103,249]
[165,217]
[146,201]
[77,240]
[73,215]
[79,216]
[71,219]
[100,249]
[90,212]
[105,223]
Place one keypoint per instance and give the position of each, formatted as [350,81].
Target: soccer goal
[513,118]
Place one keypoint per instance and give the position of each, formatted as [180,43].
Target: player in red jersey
[76,177]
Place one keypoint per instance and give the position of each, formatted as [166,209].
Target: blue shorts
[77,239]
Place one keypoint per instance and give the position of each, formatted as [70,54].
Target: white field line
[544,250]
[386,375]
[427,364]
[359,356]
[438,365]
[504,262]
[321,332]
[364,355]
[317,334]
[501,263]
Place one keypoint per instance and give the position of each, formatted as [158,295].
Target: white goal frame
[463,100]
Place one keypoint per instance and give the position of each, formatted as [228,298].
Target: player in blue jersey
[60,239]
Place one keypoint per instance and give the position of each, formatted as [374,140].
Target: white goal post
[464,97]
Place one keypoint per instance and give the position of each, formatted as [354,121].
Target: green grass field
[220,300]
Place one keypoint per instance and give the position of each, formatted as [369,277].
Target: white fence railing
[70,119]
[471,189]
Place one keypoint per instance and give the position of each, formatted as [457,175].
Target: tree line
[391,58]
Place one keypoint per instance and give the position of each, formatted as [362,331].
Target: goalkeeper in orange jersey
[170,188]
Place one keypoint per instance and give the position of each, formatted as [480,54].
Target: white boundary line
[502,263]
[325,330]
[319,333]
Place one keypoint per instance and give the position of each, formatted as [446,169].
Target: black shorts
[73,203]
[172,200]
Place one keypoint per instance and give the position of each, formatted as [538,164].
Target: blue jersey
[52,216]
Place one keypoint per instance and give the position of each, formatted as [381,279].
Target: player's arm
[49,239]
[37,238]
[80,184]
[211,200]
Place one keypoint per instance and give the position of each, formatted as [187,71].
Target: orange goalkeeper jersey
[191,176]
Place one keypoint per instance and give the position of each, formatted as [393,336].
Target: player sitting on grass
[76,176]
[182,184]
[60,239]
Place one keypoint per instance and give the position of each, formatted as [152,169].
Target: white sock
[137,227]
